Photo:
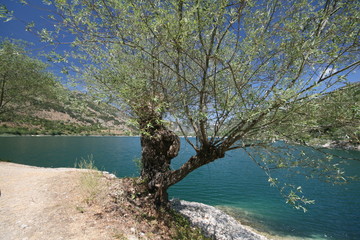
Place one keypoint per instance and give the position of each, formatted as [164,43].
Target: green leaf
[29,26]
[8,19]
[23,2]
[5,13]
[47,2]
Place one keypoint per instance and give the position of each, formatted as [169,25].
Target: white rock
[214,223]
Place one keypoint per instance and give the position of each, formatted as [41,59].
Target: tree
[23,80]
[222,70]
[332,116]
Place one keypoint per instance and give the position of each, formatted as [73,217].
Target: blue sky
[37,12]
[24,14]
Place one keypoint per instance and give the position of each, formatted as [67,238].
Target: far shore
[340,145]
[329,144]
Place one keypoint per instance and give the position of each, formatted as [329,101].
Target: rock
[214,223]
[108,175]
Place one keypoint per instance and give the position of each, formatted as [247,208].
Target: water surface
[233,183]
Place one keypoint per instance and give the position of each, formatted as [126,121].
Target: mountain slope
[73,113]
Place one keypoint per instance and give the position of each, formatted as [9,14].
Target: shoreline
[336,145]
[215,223]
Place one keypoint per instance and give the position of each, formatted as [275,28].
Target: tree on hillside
[341,114]
[333,116]
[222,70]
[23,80]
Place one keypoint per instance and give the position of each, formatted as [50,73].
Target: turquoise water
[233,183]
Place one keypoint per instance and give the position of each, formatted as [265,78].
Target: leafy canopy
[232,73]
[23,80]
[223,68]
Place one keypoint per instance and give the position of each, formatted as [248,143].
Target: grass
[90,180]
[120,236]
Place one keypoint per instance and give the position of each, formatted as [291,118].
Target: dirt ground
[44,203]
[40,203]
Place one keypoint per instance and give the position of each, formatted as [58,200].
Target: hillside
[73,113]
[330,119]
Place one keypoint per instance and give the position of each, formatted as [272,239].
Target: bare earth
[63,203]
[42,203]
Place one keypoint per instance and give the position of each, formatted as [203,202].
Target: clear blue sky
[24,14]
[37,12]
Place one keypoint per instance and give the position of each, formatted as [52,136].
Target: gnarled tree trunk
[159,146]
[157,151]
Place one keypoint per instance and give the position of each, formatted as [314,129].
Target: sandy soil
[47,203]
[41,203]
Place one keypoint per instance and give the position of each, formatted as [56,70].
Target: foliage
[138,164]
[331,116]
[337,115]
[84,117]
[23,80]
[27,125]
[211,67]
[5,13]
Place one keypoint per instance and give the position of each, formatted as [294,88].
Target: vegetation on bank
[34,102]
[73,113]
[36,126]
[23,79]
[332,117]
[124,198]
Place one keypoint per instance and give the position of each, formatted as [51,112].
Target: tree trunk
[157,151]
[159,146]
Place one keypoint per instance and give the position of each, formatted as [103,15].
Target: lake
[233,183]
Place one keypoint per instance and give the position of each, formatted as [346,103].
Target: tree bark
[206,154]
[158,149]
[159,146]
[2,92]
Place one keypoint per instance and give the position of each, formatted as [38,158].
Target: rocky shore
[215,223]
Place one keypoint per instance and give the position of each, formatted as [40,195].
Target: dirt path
[63,203]
[43,203]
